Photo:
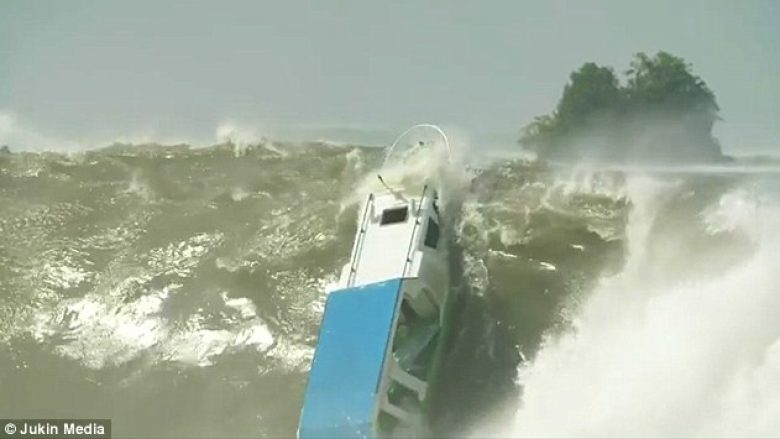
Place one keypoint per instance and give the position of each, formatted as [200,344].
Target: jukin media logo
[50,428]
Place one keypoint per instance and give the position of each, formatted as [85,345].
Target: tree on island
[663,112]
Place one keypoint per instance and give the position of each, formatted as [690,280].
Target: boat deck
[352,353]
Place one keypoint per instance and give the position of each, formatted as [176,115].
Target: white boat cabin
[399,236]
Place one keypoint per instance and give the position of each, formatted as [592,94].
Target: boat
[378,358]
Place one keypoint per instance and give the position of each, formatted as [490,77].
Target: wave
[617,302]
[683,341]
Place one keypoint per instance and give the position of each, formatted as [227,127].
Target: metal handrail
[414,230]
[353,266]
[422,125]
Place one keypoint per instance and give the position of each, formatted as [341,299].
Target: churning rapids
[178,291]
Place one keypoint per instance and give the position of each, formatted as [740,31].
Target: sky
[81,72]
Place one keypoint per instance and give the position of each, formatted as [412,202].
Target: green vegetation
[662,112]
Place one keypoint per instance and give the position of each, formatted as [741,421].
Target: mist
[684,341]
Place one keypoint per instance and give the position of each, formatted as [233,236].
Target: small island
[661,113]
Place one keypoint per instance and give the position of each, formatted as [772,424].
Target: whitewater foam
[657,355]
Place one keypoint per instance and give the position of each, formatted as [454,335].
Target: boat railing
[410,250]
[358,245]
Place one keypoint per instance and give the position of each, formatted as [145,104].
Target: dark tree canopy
[593,92]
[663,112]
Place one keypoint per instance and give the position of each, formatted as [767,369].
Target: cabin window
[394,216]
[431,234]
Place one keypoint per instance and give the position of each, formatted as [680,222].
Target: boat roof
[351,355]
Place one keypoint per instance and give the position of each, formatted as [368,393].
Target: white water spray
[656,353]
